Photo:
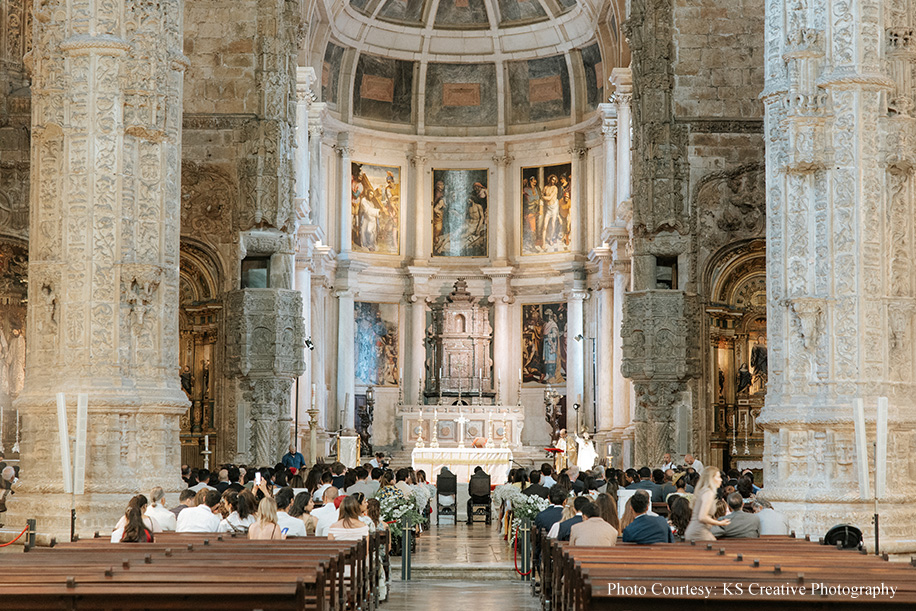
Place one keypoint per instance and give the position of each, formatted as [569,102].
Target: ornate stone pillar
[840,311]
[305,77]
[575,351]
[504,232]
[579,153]
[317,204]
[622,79]
[103,256]
[604,292]
[623,409]
[501,298]
[609,191]
[344,221]
[323,264]
[420,205]
[419,297]
[346,290]
[308,241]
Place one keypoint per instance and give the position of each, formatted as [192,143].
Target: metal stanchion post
[30,541]
[406,541]
[525,548]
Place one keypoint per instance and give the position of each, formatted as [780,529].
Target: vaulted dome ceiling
[468,67]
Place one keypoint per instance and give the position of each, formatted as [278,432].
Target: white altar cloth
[461,462]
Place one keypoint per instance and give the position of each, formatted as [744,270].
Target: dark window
[666,273]
[256,273]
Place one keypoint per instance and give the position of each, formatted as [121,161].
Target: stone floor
[461,567]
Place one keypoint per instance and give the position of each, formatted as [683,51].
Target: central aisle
[458,567]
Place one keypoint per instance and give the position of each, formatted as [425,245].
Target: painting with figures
[460,213]
[375,201]
[546,203]
[376,343]
[544,343]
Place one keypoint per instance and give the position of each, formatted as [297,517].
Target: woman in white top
[241,512]
[349,527]
[157,511]
[139,502]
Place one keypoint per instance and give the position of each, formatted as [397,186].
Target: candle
[579,399]
[206,442]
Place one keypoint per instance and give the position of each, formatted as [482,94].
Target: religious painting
[376,343]
[546,204]
[544,343]
[375,208]
[460,213]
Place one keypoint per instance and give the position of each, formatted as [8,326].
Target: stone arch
[201,278]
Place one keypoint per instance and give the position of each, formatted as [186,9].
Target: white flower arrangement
[395,507]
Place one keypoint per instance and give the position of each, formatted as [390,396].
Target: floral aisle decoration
[396,507]
[522,506]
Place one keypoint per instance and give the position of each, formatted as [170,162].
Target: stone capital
[622,80]
[305,79]
[503,159]
[417,160]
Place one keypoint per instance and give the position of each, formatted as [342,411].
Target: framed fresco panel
[375,208]
[546,205]
[544,343]
[376,343]
[460,213]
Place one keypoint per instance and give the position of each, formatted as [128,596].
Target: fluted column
[504,228]
[344,221]
[622,390]
[501,297]
[317,204]
[322,274]
[604,291]
[579,153]
[103,259]
[622,78]
[420,207]
[418,298]
[575,351]
[609,190]
[305,77]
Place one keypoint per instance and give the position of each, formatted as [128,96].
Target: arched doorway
[200,353]
[736,372]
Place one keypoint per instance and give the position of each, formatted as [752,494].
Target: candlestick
[206,442]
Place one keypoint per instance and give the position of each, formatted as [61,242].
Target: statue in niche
[721,385]
[759,363]
[187,380]
[205,374]
[744,379]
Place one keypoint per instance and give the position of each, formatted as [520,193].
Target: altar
[461,461]
[445,425]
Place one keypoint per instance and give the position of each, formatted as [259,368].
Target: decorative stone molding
[808,311]
[731,206]
[138,286]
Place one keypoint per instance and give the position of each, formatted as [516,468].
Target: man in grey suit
[741,525]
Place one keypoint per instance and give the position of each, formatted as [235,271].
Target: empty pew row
[767,573]
[196,571]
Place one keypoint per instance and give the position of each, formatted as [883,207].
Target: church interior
[237,224]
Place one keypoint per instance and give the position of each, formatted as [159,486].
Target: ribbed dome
[469,67]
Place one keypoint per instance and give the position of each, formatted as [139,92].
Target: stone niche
[264,352]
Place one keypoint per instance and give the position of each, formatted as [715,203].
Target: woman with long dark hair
[135,530]
[302,509]
[607,510]
[139,503]
[349,527]
[240,512]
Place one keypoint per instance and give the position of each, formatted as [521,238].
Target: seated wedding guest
[292,526]
[593,531]
[534,487]
[139,503]
[771,521]
[186,499]
[302,509]
[646,529]
[135,530]
[204,518]
[741,525]
[324,480]
[266,526]
[156,510]
[679,514]
[560,531]
[349,527]
[203,481]
[327,514]
[241,512]
[607,510]
[222,481]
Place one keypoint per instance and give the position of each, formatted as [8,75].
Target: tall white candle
[206,442]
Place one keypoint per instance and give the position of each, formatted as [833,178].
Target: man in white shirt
[667,463]
[201,519]
[293,527]
[327,514]
[377,461]
[203,481]
[690,461]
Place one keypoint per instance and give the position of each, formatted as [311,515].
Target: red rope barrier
[24,530]
[515,557]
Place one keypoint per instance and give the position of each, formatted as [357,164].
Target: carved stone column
[344,213]
[605,337]
[323,265]
[609,131]
[419,297]
[840,310]
[504,232]
[622,79]
[579,153]
[622,389]
[420,205]
[103,256]
[501,298]
[317,203]
[305,78]
[346,290]
[308,243]
[575,351]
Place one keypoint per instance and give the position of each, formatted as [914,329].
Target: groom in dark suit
[644,528]
[547,518]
